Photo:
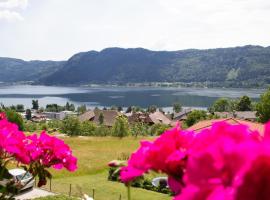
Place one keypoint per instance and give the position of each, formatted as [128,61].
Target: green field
[93,154]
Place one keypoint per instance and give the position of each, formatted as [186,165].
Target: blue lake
[119,96]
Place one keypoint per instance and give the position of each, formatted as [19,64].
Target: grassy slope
[93,154]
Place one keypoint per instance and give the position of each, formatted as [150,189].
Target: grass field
[93,154]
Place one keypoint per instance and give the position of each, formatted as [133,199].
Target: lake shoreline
[107,96]
[137,85]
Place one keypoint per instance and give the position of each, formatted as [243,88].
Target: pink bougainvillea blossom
[166,154]
[47,150]
[12,141]
[50,151]
[137,164]
[225,162]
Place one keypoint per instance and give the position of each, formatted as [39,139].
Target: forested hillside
[15,70]
[249,65]
[236,67]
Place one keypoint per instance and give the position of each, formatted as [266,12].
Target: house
[87,116]
[159,118]
[109,116]
[224,114]
[245,115]
[38,117]
[206,124]
[137,117]
[181,116]
[59,115]
[149,118]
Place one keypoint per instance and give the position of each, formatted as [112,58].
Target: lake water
[119,96]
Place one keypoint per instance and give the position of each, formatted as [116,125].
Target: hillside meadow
[93,154]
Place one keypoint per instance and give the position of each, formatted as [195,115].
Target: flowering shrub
[226,162]
[36,153]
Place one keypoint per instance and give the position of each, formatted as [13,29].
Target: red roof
[253,126]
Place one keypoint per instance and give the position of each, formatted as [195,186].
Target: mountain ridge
[234,66]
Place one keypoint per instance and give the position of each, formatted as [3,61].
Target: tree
[119,108]
[72,107]
[177,107]
[263,107]
[15,117]
[221,105]
[113,107]
[129,109]
[161,110]
[137,109]
[158,129]
[54,108]
[195,116]
[71,126]
[244,104]
[120,127]
[152,109]
[28,114]
[81,109]
[35,105]
[69,107]
[101,118]
[139,128]
[20,108]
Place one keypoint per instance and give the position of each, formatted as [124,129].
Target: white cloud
[64,27]
[8,4]
[11,16]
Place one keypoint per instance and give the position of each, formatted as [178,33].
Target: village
[152,120]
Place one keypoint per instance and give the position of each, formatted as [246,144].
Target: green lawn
[93,154]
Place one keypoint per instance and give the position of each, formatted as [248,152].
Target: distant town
[134,120]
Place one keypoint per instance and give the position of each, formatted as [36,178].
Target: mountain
[230,67]
[16,70]
[239,66]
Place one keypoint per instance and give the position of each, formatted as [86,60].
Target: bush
[139,129]
[55,124]
[158,129]
[195,116]
[71,126]
[43,126]
[120,127]
[103,131]
[263,107]
[30,126]
[15,117]
[88,128]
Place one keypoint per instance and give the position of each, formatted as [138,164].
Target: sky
[57,29]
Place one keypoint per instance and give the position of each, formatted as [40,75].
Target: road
[34,193]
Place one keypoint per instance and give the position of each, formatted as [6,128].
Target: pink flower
[217,161]
[256,181]
[137,164]
[226,162]
[12,141]
[50,151]
[166,154]
[169,152]
[2,116]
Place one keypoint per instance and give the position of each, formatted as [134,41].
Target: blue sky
[56,29]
